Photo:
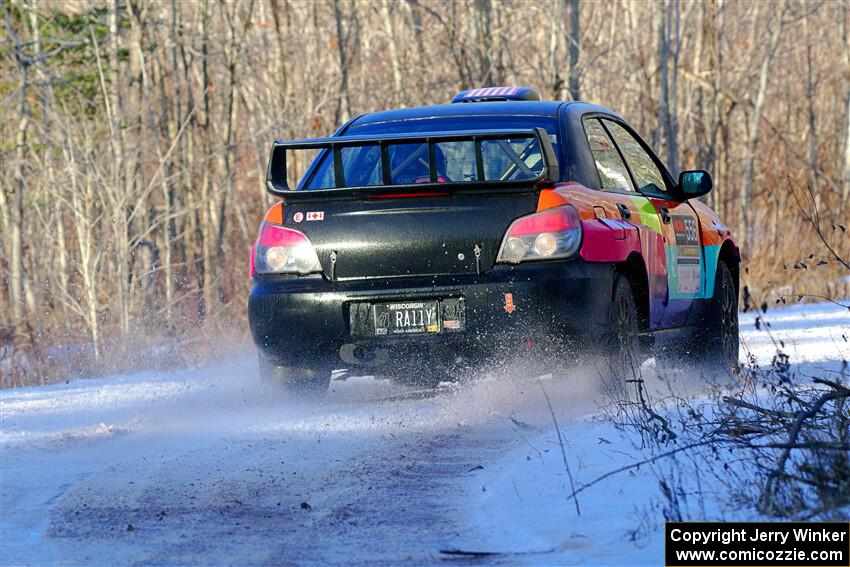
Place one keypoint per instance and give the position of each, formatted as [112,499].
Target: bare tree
[392,44]
[754,122]
[343,37]
[135,134]
[845,41]
[12,195]
[668,54]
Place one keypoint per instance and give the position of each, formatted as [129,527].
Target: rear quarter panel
[611,240]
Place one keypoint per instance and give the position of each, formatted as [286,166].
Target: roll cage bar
[276,173]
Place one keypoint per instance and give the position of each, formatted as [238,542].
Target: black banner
[762,544]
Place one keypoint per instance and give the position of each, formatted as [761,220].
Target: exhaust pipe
[363,356]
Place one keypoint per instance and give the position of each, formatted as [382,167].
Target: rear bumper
[303,320]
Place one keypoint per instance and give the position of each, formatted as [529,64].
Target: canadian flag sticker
[316,215]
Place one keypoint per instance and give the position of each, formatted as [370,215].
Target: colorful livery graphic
[424,241]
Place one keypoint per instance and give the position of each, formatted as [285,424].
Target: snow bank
[520,502]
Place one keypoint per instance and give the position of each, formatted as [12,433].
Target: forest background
[134,137]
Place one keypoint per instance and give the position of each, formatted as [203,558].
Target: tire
[296,380]
[623,357]
[717,342]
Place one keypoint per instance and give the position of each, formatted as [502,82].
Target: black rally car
[422,241]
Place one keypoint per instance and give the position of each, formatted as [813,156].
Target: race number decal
[687,253]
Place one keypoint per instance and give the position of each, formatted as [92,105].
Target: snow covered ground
[522,504]
[209,466]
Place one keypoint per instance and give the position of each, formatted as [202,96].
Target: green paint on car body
[647,212]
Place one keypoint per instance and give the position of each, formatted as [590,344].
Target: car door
[618,200]
[679,224]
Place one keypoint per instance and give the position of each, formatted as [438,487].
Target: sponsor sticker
[688,254]
[298,217]
[509,303]
[689,278]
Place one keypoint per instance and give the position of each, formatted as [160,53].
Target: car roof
[576,161]
[489,108]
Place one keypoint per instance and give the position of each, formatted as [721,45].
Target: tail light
[280,250]
[552,234]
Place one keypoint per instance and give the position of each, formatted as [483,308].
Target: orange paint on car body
[583,199]
[275,214]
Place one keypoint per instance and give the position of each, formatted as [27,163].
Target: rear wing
[276,174]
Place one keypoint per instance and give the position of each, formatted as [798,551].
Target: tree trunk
[343,107]
[811,98]
[573,39]
[206,198]
[845,39]
[483,42]
[753,128]
[12,199]
[667,101]
[162,172]
[82,206]
[389,30]
[121,182]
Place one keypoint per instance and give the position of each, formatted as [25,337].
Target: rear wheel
[623,356]
[298,380]
[717,342]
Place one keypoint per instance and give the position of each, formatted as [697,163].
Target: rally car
[425,240]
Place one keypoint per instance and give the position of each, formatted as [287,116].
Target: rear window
[504,160]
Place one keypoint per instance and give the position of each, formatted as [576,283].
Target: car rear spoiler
[277,184]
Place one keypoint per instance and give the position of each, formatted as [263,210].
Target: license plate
[406,318]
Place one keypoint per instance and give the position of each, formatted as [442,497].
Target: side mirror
[694,183]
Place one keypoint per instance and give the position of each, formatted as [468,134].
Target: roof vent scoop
[496,93]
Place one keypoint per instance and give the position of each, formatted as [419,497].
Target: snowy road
[208,466]
[203,465]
